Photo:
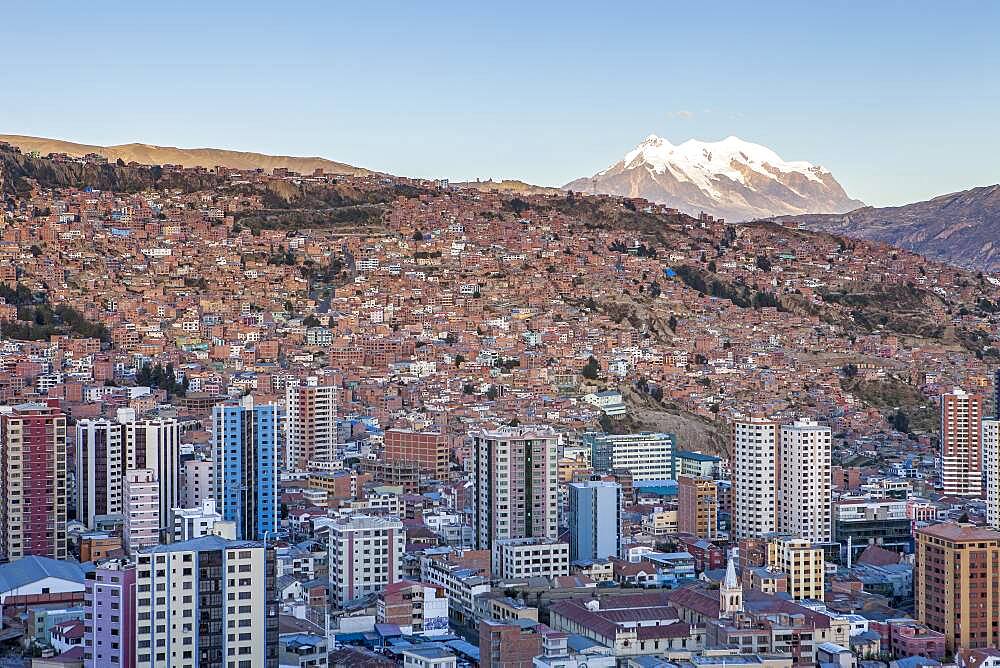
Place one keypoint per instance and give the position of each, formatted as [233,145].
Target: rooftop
[32,569]
[959,533]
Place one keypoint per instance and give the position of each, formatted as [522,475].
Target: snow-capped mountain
[732,178]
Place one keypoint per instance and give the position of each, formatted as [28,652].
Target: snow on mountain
[731,178]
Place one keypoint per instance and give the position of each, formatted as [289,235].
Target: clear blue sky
[901,100]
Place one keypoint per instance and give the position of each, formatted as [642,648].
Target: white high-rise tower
[806,502]
[755,477]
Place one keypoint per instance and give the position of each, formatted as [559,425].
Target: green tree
[591,369]
[901,422]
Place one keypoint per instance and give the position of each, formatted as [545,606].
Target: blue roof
[651,661]
[464,648]
[915,662]
[32,569]
[579,643]
[654,483]
[202,544]
[430,651]
[695,456]
[386,630]
[301,639]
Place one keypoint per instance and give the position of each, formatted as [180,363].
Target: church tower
[730,593]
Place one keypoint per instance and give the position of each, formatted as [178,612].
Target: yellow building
[571,469]
[802,563]
[661,522]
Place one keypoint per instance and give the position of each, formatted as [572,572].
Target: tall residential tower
[245,446]
[594,519]
[311,413]
[33,481]
[961,443]
[755,477]
[515,485]
[805,487]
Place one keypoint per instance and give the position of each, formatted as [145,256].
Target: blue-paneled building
[594,520]
[245,441]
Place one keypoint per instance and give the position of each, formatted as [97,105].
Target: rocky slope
[961,228]
[732,179]
[147,154]
[18,170]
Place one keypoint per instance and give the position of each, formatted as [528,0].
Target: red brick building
[512,644]
[33,476]
[428,449]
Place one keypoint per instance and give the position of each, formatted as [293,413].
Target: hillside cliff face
[17,168]
[961,228]
[732,179]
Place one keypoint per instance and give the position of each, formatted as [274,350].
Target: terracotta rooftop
[959,532]
[878,556]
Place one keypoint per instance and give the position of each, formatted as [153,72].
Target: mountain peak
[731,177]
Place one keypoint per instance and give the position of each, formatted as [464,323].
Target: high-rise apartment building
[594,520]
[428,449]
[805,487]
[98,469]
[365,555]
[109,626]
[245,446]
[996,393]
[698,507]
[991,464]
[154,444]
[207,602]
[803,564]
[142,510]
[33,481]
[956,581]
[961,444]
[311,418]
[755,477]
[646,455]
[515,484]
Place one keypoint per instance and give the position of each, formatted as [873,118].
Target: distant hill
[512,186]
[961,228]
[732,179]
[147,154]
